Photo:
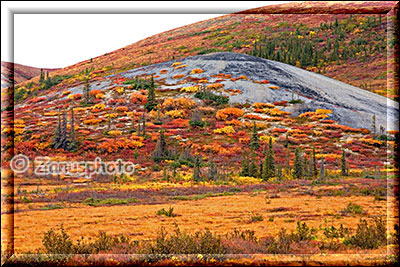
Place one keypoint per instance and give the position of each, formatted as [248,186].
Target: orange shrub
[277,112]
[196,71]
[263,105]
[95,92]
[243,77]
[328,121]
[176,64]
[180,67]
[234,122]
[176,113]
[122,108]
[92,121]
[75,96]
[223,114]
[215,86]
[138,97]
[178,76]
[323,111]
[252,117]
[250,125]
[178,103]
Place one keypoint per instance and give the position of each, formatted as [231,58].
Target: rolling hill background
[22,73]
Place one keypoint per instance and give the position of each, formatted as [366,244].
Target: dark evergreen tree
[343,164]
[212,173]
[86,90]
[245,164]
[298,171]
[254,141]
[196,170]
[253,170]
[314,164]
[322,169]
[151,97]
[41,80]
[288,169]
[161,151]
[269,163]
[143,128]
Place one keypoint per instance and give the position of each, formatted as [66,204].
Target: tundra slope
[351,105]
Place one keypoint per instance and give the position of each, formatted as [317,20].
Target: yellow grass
[219,214]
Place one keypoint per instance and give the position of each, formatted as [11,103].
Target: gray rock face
[351,105]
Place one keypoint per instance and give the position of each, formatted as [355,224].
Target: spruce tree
[196,170]
[161,151]
[151,98]
[269,163]
[322,169]
[253,170]
[288,170]
[343,163]
[41,80]
[297,168]
[314,164]
[254,142]
[86,90]
[245,164]
[165,173]
[144,124]
[212,173]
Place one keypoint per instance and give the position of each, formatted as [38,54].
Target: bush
[57,243]
[303,232]
[295,101]
[207,95]
[332,232]
[243,242]
[61,243]
[256,218]
[369,236]
[169,213]
[200,124]
[201,242]
[109,201]
[279,245]
[353,209]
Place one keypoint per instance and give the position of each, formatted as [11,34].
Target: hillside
[357,57]
[22,73]
[241,140]
[352,106]
[278,97]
